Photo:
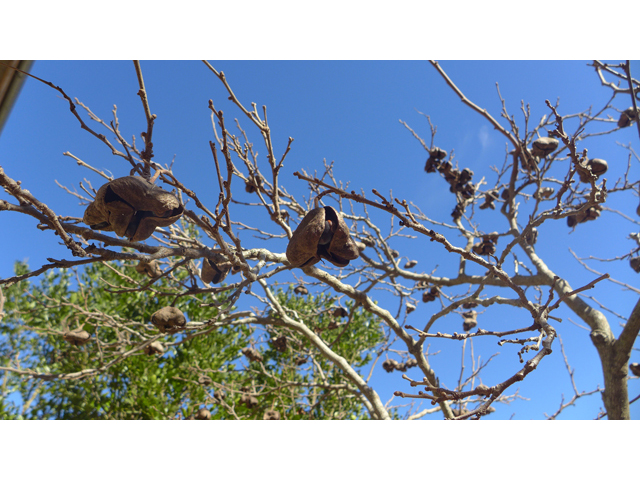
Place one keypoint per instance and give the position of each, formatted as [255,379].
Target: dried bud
[132,207]
[149,269]
[168,320]
[544,146]
[77,337]
[411,264]
[252,354]
[154,348]
[470,320]
[389,365]
[635,369]
[271,415]
[301,290]
[203,414]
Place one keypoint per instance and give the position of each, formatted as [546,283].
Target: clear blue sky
[347,112]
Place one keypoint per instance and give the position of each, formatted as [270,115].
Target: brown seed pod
[77,337]
[597,166]
[301,290]
[635,264]
[401,367]
[489,197]
[219,395]
[322,234]
[394,253]
[591,213]
[168,320]
[249,400]
[469,305]
[627,117]
[271,415]
[154,348]
[252,185]
[544,146]
[132,207]
[368,240]
[150,269]
[410,308]
[431,295]
[215,271]
[635,369]
[332,325]
[301,361]
[544,192]
[389,365]
[280,343]
[470,320]
[411,264]
[252,354]
[340,312]
[412,362]
[203,414]
[204,380]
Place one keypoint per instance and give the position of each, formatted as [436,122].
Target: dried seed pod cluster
[77,337]
[252,354]
[132,207]
[459,181]
[249,400]
[544,192]
[150,269]
[169,320]
[487,246]
[433,162]
[431,295]
[596,166]
[590,213]
[322,234]
[470,320]
[280,343]
[203,414]
[154,348]
[215,270]
[490,197]
[271,415]
[629,116]
[390,365]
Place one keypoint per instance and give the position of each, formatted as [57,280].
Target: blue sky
[346,112]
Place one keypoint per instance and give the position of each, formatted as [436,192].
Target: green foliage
[112,377]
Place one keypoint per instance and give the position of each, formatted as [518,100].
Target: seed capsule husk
[132,207]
